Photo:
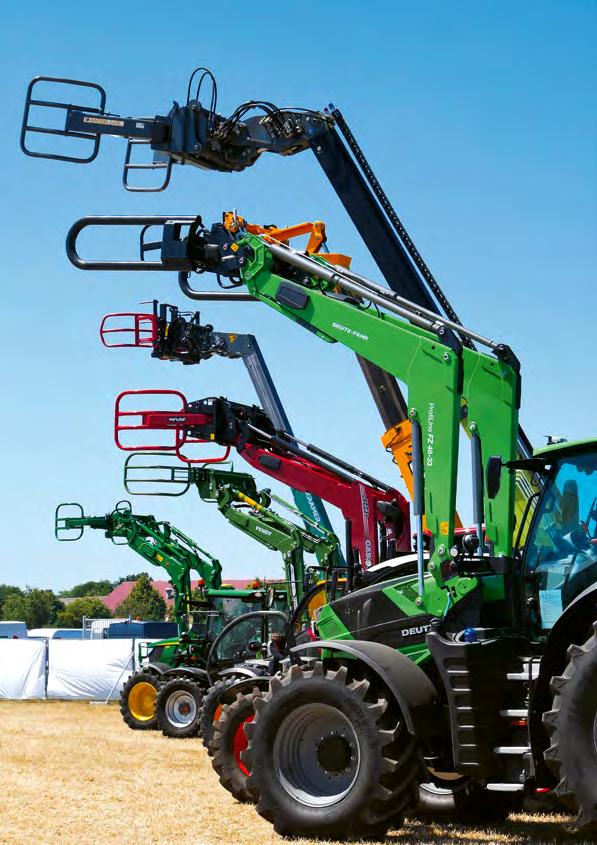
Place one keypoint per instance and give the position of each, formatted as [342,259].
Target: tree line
[45,609]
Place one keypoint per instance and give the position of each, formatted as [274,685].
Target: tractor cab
[208,618]
[243,641]
[560,550]
[227,605]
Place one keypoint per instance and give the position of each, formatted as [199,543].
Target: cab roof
[561,450]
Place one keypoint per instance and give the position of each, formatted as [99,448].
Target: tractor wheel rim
[141,701]
[181,709]
[317,755]
[239,743]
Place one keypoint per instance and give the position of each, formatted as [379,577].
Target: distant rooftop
[164,588]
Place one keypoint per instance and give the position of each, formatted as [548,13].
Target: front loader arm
[253,516]
[340,306]
[378,513]
[159,543]
[248,509]
[430,367]
[198,134]
[440,376]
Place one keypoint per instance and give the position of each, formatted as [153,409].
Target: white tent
[22,668]
[91,669]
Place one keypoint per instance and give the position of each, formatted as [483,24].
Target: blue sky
[479,120]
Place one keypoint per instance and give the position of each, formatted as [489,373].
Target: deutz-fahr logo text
[412,632]
[352,332]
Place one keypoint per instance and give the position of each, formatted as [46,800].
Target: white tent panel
[88,669]
[22,669]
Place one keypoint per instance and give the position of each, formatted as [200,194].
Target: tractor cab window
[226,608]
[204,623]
[247,639]
[231,607]
[561,550]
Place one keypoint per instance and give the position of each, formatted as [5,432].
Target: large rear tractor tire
[211,709]
[179,708]
[138,701]
[330,757]
[229,742]
[572,726]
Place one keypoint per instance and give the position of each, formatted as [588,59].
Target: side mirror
[493,476]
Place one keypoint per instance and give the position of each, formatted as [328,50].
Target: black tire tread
[148,676]
[586,821]
[391,797]
[230,776]
[164,689]
[209,707]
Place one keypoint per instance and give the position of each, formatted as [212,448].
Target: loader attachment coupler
[173,335]
[70,522]
[174,419]
[188,134]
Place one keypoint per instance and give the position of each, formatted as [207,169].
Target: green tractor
[168,690]
[182,660]
[248,509]
[474,676]
[200,614]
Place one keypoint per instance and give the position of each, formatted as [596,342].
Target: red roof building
[164,588]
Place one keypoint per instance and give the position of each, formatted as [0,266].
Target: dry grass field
[73,773]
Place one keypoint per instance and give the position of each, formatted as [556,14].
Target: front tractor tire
[330,757]
[230,741]
[179,707]
[138,701]
[572,726]
[211,710]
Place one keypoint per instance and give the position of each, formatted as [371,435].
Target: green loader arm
[159,543]
[425,354]
[248,509]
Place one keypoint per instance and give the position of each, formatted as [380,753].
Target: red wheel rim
[239,744]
